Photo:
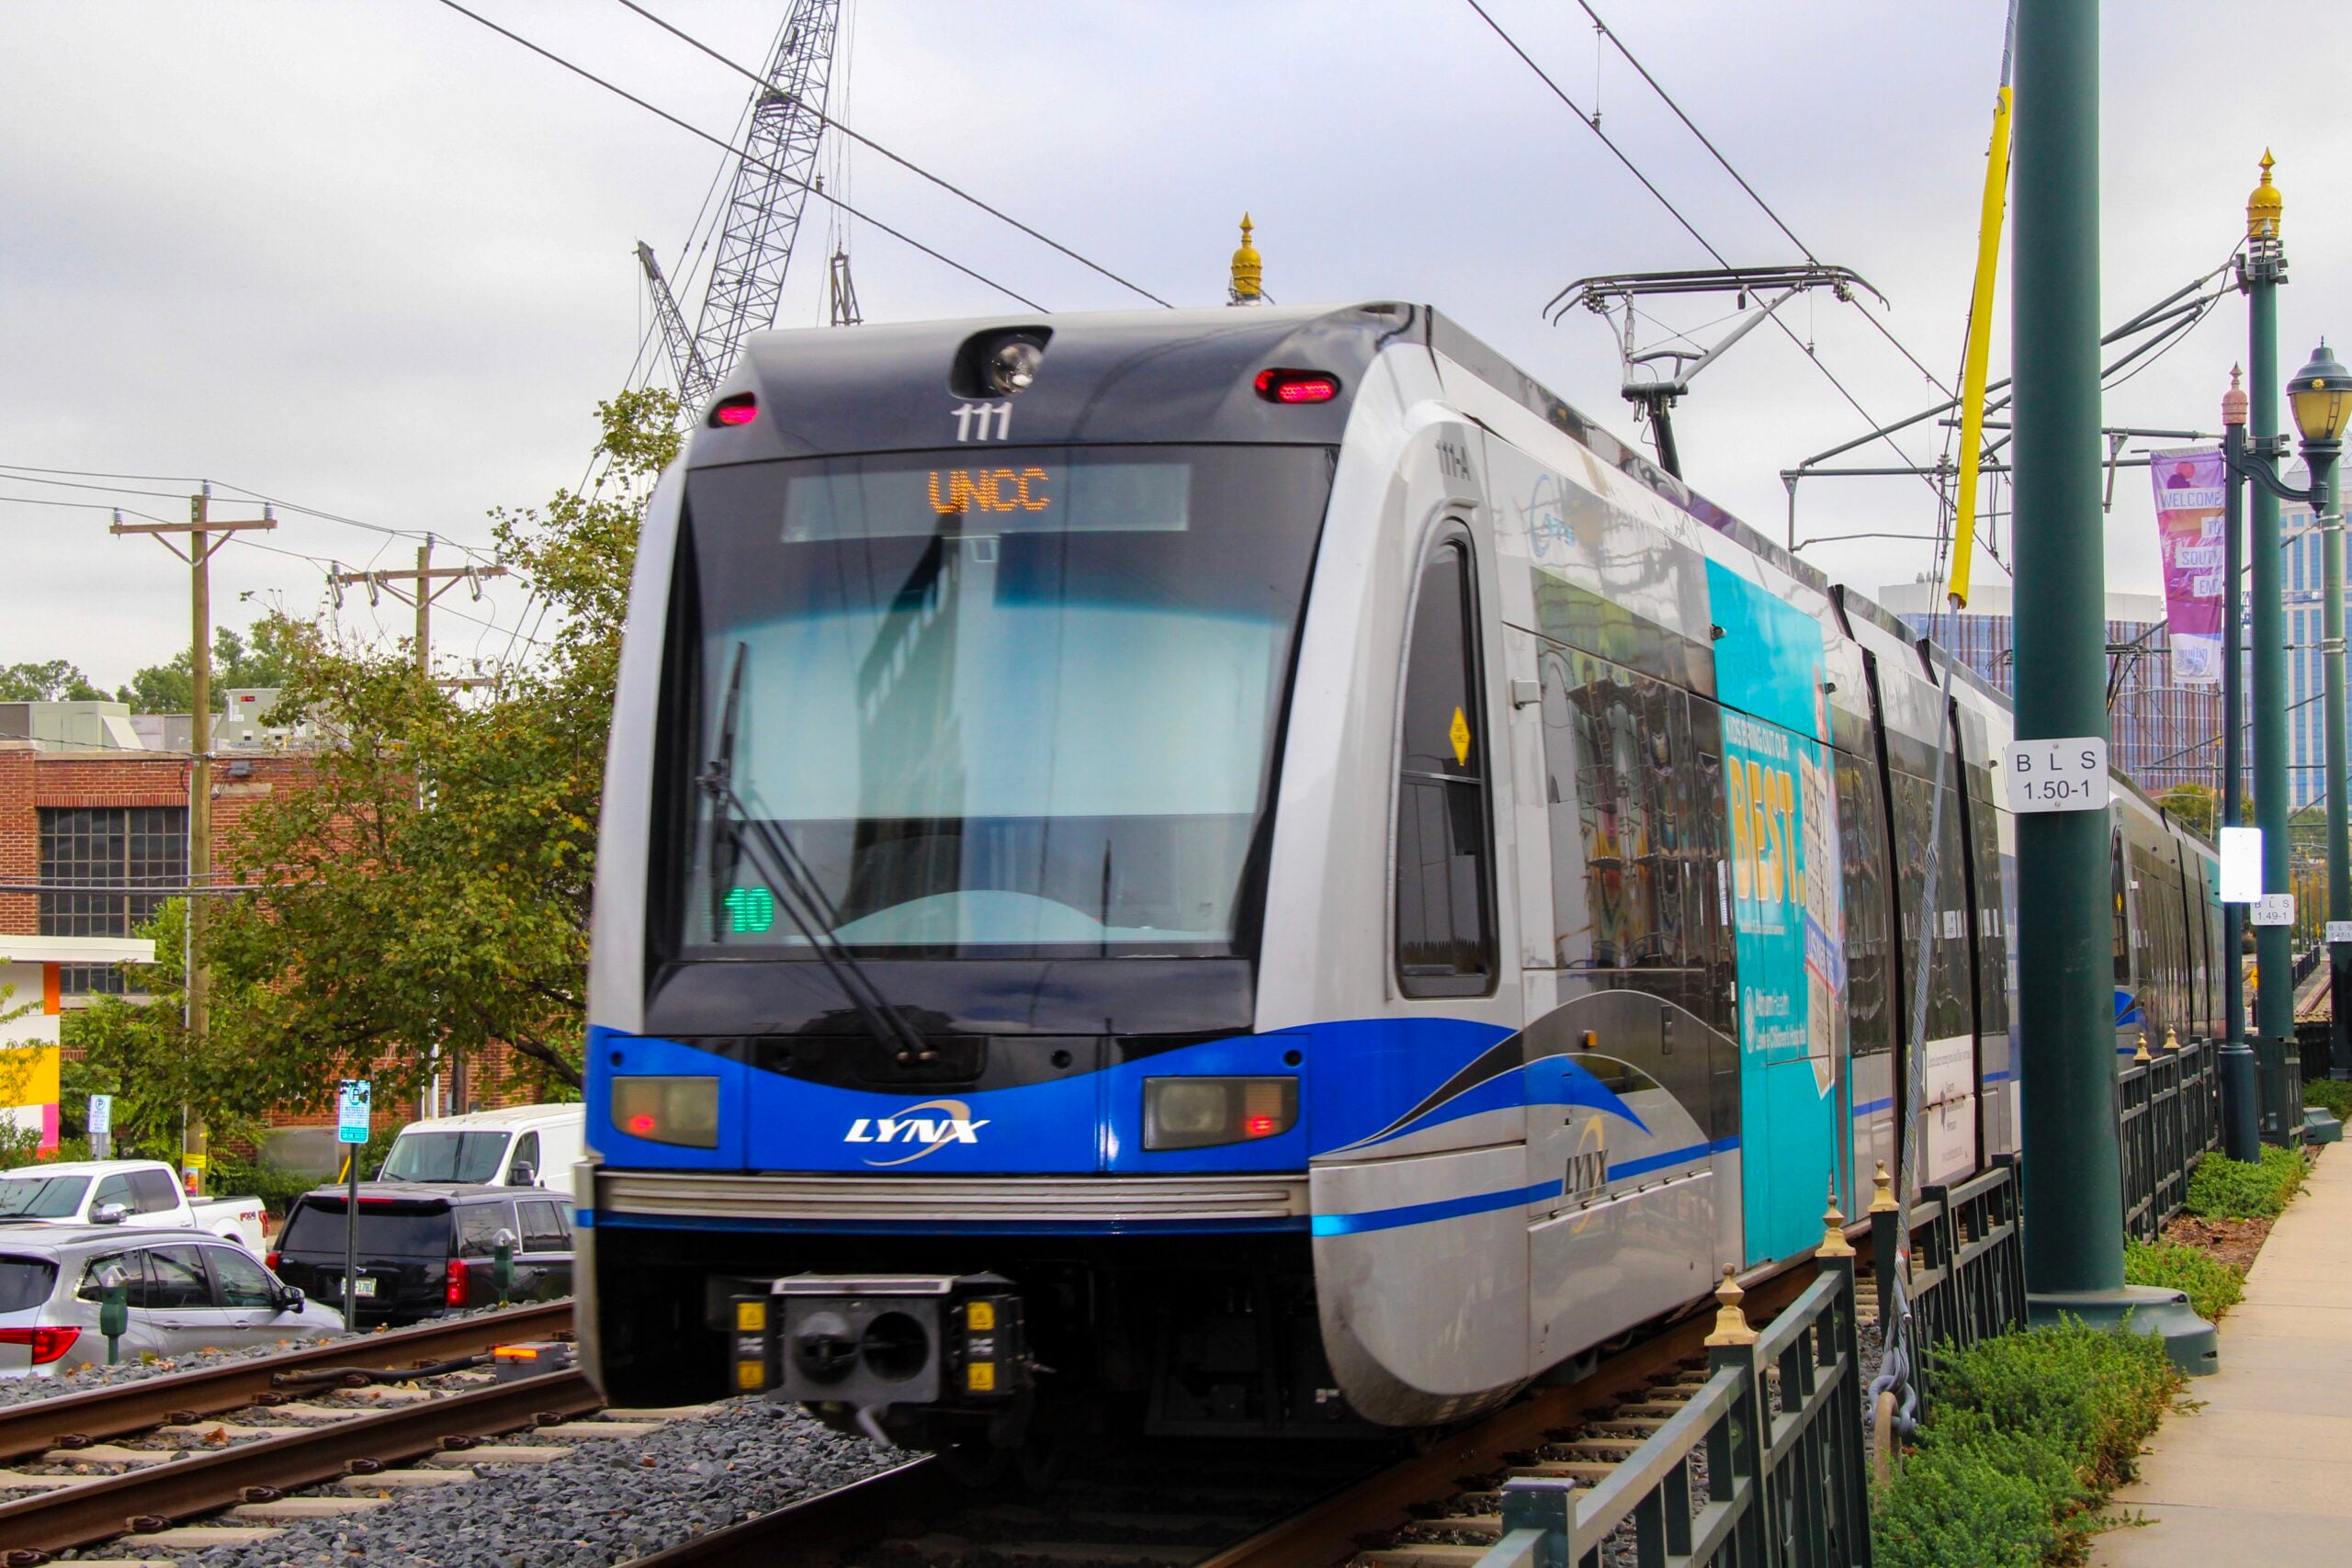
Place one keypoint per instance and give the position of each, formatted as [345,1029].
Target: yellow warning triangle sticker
[1460,736]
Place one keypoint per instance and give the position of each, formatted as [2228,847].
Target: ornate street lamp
[2319,395]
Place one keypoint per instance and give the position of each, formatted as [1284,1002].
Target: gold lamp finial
[1731,1323]
[2234,403]
[1248,269]
[2266,206]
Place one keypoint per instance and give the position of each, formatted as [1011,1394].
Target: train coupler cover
[876,1340]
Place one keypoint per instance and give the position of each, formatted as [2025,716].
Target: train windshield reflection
[1001,702]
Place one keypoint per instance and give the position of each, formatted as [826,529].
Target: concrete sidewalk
[2259,1475]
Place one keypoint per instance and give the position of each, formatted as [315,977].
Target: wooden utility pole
[427,583]
[206,535]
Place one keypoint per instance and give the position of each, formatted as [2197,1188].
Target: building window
[103,854]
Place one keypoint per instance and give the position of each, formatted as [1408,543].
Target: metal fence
[2169,1110]
[1967,1263]
[1778,1427]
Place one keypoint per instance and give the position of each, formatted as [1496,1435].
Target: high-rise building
[2160,734]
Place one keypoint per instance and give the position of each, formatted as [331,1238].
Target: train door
[1787,906]
[1627,1076]
[1988,949]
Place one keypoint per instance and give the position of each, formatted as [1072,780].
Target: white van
[523,1145]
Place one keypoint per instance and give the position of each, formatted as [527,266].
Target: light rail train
[1252,871]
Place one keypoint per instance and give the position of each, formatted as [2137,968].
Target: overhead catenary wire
[1741,180]
[735,152]
[1676,213]
[907,164]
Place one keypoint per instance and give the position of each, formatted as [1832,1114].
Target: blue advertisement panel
[1787,919]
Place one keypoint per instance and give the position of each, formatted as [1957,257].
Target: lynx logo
[952,1125]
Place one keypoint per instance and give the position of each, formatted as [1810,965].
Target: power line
[1676,213]
[735,152]
[953,189]
[1668,98]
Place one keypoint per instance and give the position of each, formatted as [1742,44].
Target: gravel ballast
[608,1501]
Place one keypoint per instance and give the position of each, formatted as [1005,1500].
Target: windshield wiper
[796,888]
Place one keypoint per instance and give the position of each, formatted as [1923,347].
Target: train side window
[1861,825]
[1444,885]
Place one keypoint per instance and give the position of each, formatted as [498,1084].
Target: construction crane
[763,212]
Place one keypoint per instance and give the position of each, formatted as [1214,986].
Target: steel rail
[69,1420]
[1330,1531]
[201,1484]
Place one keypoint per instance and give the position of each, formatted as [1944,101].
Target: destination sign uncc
[2056,775]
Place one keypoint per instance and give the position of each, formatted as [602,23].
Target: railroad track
[238,1437]
[1230,1505]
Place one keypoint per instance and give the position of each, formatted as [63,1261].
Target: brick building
[76,812]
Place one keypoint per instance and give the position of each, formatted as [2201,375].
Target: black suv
[425,1248]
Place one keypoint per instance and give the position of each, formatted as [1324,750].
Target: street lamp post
[2321,396]
[2241,1085]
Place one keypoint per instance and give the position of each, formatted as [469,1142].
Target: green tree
[257,658]
[429,885]
[2192,806]
[53,682]
[139,1052]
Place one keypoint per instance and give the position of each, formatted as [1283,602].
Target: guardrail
[1785,1486]
[2169,1109]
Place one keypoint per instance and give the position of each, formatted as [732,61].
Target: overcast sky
[372,258]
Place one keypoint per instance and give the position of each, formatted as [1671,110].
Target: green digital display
[750,911]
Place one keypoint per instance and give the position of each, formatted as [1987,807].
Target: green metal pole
[2274,956]
[2074,1175]
[2321,455]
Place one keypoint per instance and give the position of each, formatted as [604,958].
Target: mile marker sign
[2056,775]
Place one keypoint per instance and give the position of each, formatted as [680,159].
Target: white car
[184,1294]
[523,1145]
[123,1191]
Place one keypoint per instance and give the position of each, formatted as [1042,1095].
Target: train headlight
[1011,365]
[665,1110]
[1196,1113]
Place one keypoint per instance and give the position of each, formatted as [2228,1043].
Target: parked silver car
[184,1292]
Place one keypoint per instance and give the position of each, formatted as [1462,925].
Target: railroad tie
[1431,1556]
[399,1480]
[199,1537]
[109,1453]
[461,1459]
[308,1508]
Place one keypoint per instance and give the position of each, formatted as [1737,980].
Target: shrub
[2330,1096]
[2028,1433]
[2225,1189]
[2213,1286]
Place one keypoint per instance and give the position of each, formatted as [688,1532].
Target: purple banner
[2190,504]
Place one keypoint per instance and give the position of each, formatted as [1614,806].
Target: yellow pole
[1980,335]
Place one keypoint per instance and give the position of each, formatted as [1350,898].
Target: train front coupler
[883,1344]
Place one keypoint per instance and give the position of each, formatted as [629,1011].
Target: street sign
[2274,909]
[2340,930]
[2241,865]
[351,1111]
[2056,775]
[101,1116]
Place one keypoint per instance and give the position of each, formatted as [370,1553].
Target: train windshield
[1011,702]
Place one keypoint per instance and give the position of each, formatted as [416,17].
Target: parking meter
[114,1313]
[501,1264]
